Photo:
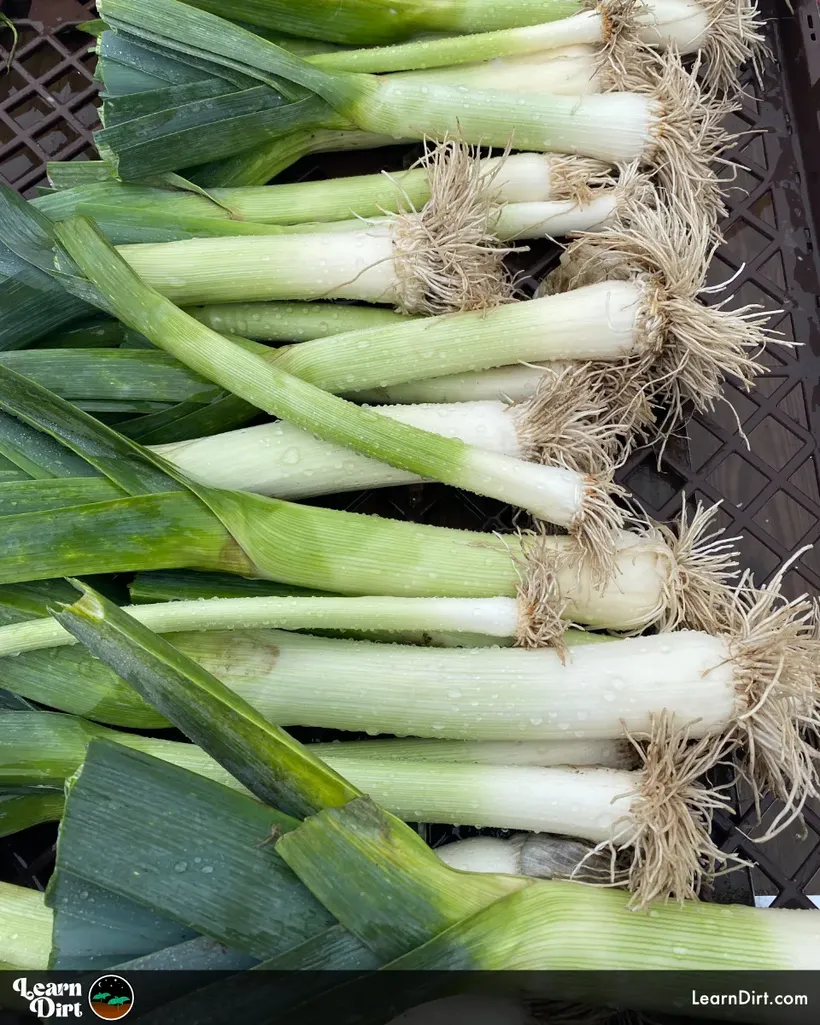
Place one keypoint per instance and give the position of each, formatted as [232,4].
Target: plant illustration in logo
[111,997]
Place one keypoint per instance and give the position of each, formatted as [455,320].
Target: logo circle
[111,997]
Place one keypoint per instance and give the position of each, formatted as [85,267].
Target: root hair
[577,179]
[668,830]
[699,593]
[775,649]
[686,347]
[447,257]
[734,37]
[569,422]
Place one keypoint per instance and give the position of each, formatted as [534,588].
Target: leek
[373,23]
[580,502]
[726,32]
[667,124]
[284,462]
[511,384]
[540,855]
[520,178]
[25,929]
[499,618]
[659,809]
[293,322]
[659,578]
[753,684]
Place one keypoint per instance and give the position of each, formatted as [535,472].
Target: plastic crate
[770,490]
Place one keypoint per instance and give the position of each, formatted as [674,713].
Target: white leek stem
[509,384]
[282,461]
[597,322]
[514,221]
[540,855]
[496,617]
[614,754]
[25,928]
[570,71]
[592,803]
[519,178]
[476,694]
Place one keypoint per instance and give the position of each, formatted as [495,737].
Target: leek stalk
[727,32]
[25,929]
[284,462]
[581,503]
[373,23]
[499,618]
[520,178]
[667,125]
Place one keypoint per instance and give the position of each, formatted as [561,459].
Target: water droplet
[181,866]
[536,720]
[454,692]
[291,457]
[207,869]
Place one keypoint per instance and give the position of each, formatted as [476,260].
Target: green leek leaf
[269,762]
[188,848]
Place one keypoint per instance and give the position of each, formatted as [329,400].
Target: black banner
[451,998]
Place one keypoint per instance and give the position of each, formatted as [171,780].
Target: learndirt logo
[51,999]
[111,997]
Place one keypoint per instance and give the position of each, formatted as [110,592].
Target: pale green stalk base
[571,71]
[505,384]
[196,271]
[614,754]
[285,462]
[614,127]
[522,177]
[491,616]
[585,28]
[514,222]
[475,694]
[561,926]
[598,322]
[25,928]
[293,322]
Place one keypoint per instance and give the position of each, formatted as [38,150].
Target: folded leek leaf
[121,461]
[191,420]
[69,174]
[119,109]
[92,334]
[200,954]
[204,130]
[277,985]
[32,304]
[269,762]
[188,848]
[123,52]
[97,928]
